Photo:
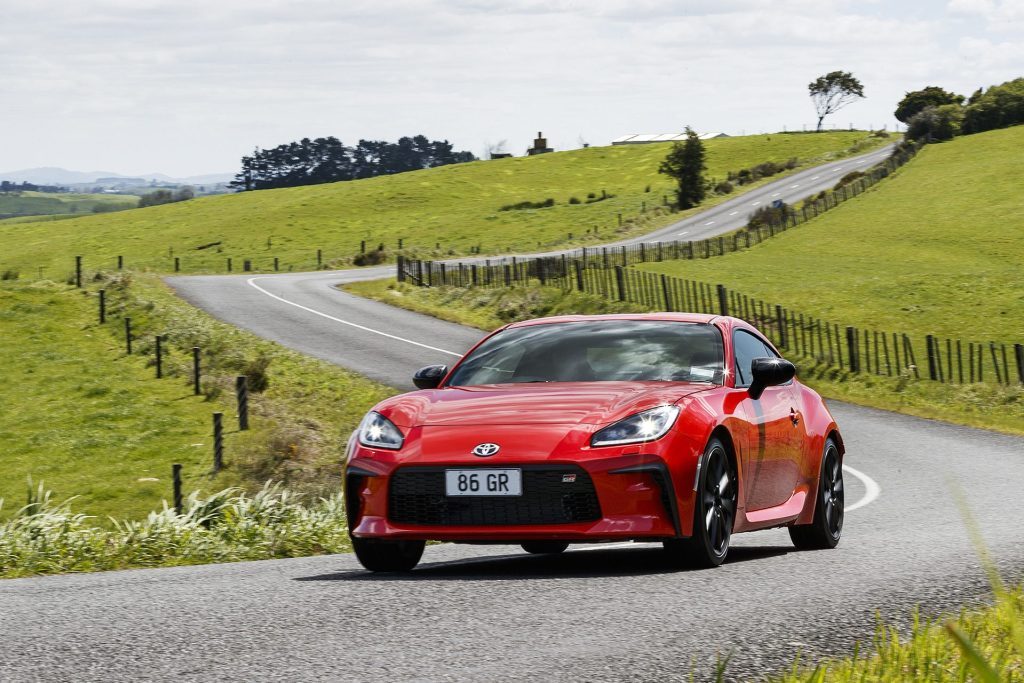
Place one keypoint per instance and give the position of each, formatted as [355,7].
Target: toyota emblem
[485,450]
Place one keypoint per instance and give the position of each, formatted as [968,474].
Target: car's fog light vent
[552,494]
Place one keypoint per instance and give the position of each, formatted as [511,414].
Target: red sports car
[669,427]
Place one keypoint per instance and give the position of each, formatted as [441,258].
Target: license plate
[483,482]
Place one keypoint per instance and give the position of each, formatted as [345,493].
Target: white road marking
[872,489]
[754,203]
[776,194]
[252,283]
[815,177]
[684,232]
[859,163]
[793,187]
[734,213]
[709,223]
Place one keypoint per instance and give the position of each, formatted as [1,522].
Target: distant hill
[50,175]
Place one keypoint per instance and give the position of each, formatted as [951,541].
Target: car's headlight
[376,431]
[646,426]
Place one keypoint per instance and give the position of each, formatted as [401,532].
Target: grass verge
[93,422]
[457,207]
[977,405]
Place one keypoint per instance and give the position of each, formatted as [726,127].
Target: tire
[825,531]
[545,547]
[714,512]
[379,555]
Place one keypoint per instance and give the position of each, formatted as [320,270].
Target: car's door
[771,456]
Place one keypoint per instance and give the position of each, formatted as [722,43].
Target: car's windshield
[597,351]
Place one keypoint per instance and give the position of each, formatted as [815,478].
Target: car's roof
[667,317]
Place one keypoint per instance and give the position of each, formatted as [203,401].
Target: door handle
[794,417]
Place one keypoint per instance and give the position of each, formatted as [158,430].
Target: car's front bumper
[634,496]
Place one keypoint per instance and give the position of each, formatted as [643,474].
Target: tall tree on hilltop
[685,163]
[833,91]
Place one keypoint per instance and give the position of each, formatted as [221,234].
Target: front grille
[417,496]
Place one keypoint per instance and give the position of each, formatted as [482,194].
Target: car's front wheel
[826,529]
[379,555]
[714,512]
[545,547]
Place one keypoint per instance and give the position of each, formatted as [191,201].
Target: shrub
[574,200]
[766,169]
[48,538]
[792,163]
[770,215]
[528,205]
[998,107]
[744,176]
[935,123]
[374,257]
[9,275]
[848,178]
[591,195]
[724,187]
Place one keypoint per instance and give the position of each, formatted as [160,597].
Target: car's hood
[565,403]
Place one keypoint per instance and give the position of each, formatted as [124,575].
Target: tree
[685,163]
[833,91]
[935,123]
[917,100]
[998,107]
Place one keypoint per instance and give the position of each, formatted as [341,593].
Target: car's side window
[747,347]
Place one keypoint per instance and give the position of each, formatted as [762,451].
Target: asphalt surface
[485,613]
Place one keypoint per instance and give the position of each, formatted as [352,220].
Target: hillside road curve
[493,613]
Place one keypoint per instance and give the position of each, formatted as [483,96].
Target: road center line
[734,213]
[252,283]
[872,489]
[709,223]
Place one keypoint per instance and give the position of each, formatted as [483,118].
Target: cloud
[188,86]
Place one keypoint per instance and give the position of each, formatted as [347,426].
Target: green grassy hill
[938,248]
[88,420]
[456,206]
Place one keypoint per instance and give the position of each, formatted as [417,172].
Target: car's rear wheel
[826,529]
[545,547]
[714,512]
[380,555]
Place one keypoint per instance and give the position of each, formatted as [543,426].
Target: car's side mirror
[430,376]
[769,372]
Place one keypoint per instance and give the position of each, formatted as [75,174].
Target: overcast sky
[186,86]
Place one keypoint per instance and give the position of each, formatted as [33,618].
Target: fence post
[103,306]
[780,317]
[176,483]
[929,341]
[128,336]
[851,348]
[195,370]
[400,266]
[723,300]
[362,246]
[242,394]
[619,279]
[78,272]
[177,264]
[229,264]
[275,264]
[1018,352]
[665,292]
[159,357]
[319,258]
[218,442]
[120,262]
[579,276]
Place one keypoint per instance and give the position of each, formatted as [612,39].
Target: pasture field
[457,207]
[937,249]
[23,204]
[87,420]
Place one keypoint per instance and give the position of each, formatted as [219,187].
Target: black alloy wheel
[827,528]
[714,512]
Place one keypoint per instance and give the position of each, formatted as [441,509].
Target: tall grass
[45,537]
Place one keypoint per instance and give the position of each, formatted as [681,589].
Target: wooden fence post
[177,264]
[781,318]
[159,357]
[400,268]
[176,483]
[103,306]
[218,442]
[620,281]
[78,272]
[195,370]
[665,292]
[242,396]
[128,336]
[1018,351]
[851,347]
[723,300]
[579,275]
[929,341]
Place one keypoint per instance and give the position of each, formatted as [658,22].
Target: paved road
[491,613]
